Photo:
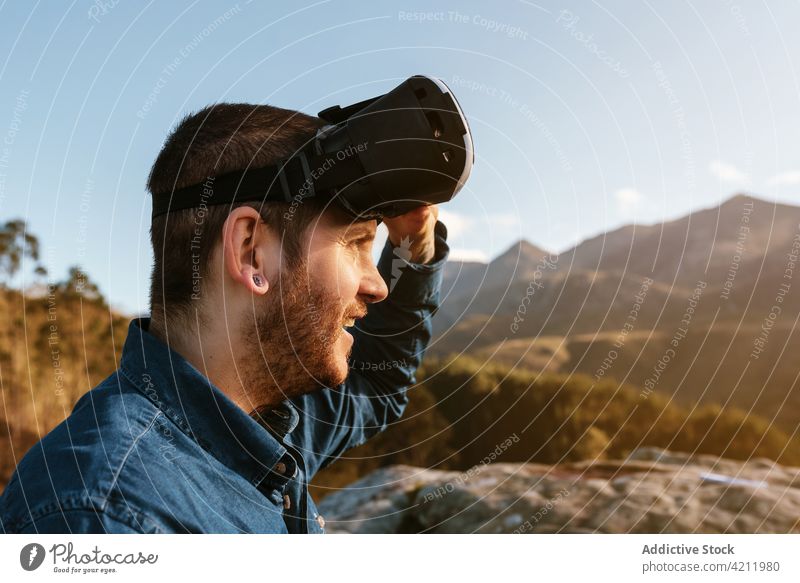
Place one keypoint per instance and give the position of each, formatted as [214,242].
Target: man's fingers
[414,220]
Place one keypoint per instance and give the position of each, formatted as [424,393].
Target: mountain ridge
[739,197]
[711,286]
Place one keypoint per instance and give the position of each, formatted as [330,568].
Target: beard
[290,343]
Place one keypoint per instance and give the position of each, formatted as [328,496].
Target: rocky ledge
[652,491]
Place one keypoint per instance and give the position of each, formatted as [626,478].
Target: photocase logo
[31,556]
[402,256]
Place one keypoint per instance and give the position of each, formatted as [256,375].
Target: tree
[79,284]
[16,244]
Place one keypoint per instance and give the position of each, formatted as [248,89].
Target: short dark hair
[221,138]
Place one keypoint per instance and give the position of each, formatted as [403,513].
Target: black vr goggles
[377,158]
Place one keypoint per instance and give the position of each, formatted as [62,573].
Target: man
[239,388]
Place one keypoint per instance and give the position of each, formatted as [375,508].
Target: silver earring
[257,280]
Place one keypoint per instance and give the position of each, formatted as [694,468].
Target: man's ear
[244,241]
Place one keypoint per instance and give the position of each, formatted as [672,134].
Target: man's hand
[417,226]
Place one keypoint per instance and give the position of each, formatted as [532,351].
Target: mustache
[359,311]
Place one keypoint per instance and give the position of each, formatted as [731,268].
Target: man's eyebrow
[362,230]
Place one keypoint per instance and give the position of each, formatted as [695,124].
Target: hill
[714,293]
[474,411]
[53,348]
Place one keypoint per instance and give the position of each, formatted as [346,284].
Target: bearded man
[249,376]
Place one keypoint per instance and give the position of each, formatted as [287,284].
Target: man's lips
[350,320]
[349,323]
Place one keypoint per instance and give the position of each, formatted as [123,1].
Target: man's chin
[344,347]
[333,375]
[341,375]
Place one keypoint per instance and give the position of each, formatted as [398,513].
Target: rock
[652,491]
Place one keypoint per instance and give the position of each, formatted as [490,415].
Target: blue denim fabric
[156,448]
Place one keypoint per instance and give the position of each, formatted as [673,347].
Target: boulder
[652,491]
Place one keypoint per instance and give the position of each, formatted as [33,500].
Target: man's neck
[212,352]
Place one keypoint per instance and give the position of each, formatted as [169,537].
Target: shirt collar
[282,419]
[200,409]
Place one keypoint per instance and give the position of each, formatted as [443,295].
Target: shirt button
[320,521]
[280,467]
[287,502]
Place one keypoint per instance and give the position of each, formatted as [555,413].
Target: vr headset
[377,158]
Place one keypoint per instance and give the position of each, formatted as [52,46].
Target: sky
[585,115]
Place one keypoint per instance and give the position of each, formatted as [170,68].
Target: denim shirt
[156,448]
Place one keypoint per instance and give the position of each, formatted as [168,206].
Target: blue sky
[586,116]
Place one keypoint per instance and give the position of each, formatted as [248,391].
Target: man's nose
[373,288]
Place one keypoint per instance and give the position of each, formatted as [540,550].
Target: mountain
[703,307]
[699,246]
[737,246]
[517,262]
[462,279]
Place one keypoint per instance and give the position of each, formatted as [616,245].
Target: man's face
[303,320]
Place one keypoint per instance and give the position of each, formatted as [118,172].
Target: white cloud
[727,172]
[506,220]
[456,223]
[457,254]
[785,178]
[459,224]
[628,200]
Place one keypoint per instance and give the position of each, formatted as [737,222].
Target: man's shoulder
[77,465]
